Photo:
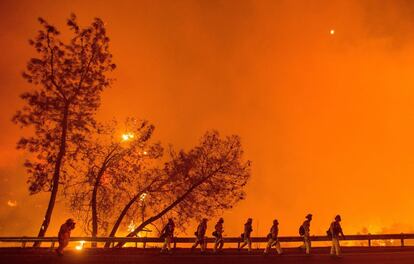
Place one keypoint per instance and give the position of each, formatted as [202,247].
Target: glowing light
[145,153]
[127,136]
[131,226]
[12,203]
[332,31]
[80,246]
[142,197]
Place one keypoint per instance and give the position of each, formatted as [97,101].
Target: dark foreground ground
[381,255]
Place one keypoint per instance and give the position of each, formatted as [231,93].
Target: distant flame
[131,226]
[142,197]
[127,136]
[80,246]
[12,203]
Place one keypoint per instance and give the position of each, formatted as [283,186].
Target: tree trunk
[164,211]
[121,216]
[56,177]
[94,212]
[126,208]
[94,208]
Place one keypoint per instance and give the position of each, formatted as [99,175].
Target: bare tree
[114,165]
[201,182]
[68,78]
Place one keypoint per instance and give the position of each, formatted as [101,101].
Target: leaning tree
[68,78]
[201,182]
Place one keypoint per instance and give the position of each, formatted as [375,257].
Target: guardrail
[185,240]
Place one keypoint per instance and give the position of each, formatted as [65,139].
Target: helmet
[221,220]
[338,218]
[309,216]
[275,222]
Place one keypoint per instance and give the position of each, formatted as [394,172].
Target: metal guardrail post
[402,239]
[23,244]
[369,240]
[52,246]
[175,244]
[144,244]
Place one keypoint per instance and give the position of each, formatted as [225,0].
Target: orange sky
[326,119]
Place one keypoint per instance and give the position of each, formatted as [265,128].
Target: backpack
[163,235]
[198,228]
[329,233]
[301,230]
[215,234]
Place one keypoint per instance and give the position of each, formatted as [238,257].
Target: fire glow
[142,197]
[131,226]
[80,246]
[127,136]
[12,203]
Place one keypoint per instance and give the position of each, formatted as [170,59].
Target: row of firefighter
[334,232]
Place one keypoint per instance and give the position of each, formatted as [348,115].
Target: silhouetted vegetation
[68,79]
[202,181]
[110,170]
[108,173]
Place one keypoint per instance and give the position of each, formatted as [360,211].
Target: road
[46,256]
